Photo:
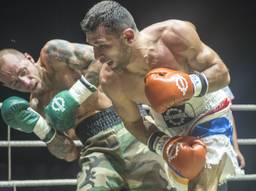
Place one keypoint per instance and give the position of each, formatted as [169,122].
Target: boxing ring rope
[234,107]
[243,107]
[33,183]
[72,182]
[79,144]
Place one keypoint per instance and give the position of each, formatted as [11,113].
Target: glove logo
[178,116]
[58,104]
[173,151]
[182,84]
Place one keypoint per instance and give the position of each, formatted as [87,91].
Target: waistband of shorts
[97,123]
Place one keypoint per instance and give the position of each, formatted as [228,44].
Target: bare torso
[64,79]
[130,82]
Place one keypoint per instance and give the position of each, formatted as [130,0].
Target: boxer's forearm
[92,73]
[217,76]
[207,61]
[140,131]
[63,148]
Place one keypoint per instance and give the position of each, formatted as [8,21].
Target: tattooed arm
[63,147]
[93,72]
[76,56]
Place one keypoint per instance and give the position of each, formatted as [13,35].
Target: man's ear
[29,57]
[128,35]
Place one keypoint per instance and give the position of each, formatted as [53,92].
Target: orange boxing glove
[184,154]
[165,88]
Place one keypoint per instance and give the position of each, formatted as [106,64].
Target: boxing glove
[60,112]
[165,88]
[185,155]
[17,114]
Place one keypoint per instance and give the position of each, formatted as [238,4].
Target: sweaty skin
[50,75]
[127,59]
[56,55]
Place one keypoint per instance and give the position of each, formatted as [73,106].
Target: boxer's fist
[165,88]
[60,112]
[186,155]
[17,113]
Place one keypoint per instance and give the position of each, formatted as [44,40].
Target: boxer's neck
[142,47]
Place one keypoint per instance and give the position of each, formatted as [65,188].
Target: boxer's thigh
[209,177]
[98,174]
[145,170]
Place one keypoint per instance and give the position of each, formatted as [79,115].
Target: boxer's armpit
[63,148]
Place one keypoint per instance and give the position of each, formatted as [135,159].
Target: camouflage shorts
[115,160]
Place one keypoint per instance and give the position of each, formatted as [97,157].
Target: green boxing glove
[60,112]
[17,114]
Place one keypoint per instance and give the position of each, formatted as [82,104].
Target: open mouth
[110,63]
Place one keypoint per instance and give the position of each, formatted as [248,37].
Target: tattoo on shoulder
[77,56]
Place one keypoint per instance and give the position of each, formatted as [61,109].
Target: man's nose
[24,80]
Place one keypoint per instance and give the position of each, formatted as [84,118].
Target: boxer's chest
[133,86]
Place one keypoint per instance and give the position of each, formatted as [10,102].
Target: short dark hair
[109,14]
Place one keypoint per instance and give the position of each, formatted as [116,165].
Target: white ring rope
[79,144]
[243,107]
[73,182]
[33,183]
[30,143]
[246,177]
[234,107]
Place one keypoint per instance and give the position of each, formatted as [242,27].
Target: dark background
[226,26]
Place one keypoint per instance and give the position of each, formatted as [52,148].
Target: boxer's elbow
[72,156]
[225,75]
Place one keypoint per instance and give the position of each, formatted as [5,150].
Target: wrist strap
[87,84]
[157,141]
[200,83]
[43,130]
[50,136]
[81,90]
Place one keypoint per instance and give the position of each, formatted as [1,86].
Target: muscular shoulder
[58,52]
[177,26]
[173,32]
